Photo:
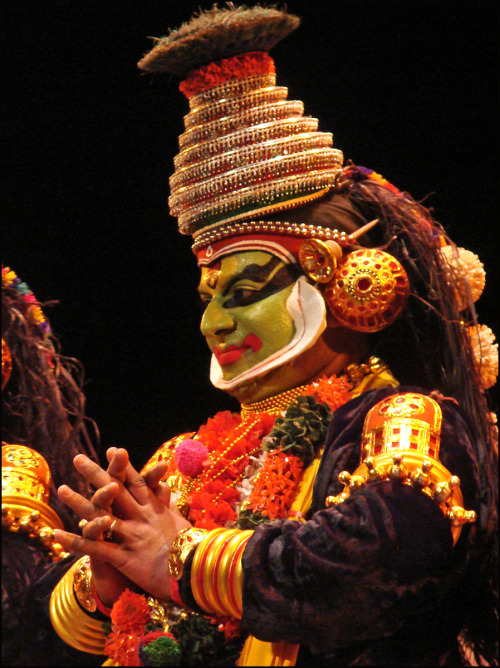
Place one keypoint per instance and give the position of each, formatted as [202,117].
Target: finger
[94,548]
[153,475]
[124,502]
[105,496]
[118,460]
[79,504]
[162,492]
[121,468]
[94,529]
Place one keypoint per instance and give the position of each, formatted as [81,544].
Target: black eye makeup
[272,283]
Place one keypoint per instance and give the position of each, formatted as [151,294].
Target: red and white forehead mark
[211,275]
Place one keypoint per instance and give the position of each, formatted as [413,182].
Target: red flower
[130,613]
[123,648]
[154,635]
[227,625]
[238,67]
[276,485]
[333,391]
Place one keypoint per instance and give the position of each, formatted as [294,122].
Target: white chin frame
[307,308]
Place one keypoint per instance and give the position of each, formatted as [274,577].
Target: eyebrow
[255,272]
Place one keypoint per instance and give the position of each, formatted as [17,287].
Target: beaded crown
[247,150]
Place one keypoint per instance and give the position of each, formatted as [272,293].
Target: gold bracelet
[82,585]
[223,583]
[184,543]
[235,574]
[217,574]
[213,554]
[72,624]
[197,570]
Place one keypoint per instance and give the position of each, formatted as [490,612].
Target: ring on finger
[108,535]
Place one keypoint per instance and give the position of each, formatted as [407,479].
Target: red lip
[232,353]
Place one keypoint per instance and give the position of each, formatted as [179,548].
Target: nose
[217,320]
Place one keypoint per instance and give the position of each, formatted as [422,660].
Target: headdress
[252,167]
[247,150]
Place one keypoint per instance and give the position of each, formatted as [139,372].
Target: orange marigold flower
[333,391]
[277,485]
[130,613]
[214,74]
[227,625]
[123,648]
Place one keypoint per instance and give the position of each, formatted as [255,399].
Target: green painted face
[246,319]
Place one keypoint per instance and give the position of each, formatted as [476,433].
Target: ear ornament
[365,290]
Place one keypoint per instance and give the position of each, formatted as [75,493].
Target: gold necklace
[273,405]
[247,426]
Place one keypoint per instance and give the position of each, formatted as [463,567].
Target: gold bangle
[217,575]
[222,582]
[209,586]
[235,574]
[72,624]
[184,543]
[197,570]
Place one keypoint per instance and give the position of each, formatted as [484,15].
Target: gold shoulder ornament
[401,440]
[25,496]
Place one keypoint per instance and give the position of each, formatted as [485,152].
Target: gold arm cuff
[184,543]
[401,440]
[72,624]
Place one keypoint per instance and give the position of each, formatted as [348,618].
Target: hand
[144,526]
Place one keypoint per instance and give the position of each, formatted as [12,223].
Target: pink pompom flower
[190,457]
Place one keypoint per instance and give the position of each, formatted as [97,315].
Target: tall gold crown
[247,150]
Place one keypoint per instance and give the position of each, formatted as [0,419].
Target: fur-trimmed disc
[217,34]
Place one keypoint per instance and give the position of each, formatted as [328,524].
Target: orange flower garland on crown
[215,74]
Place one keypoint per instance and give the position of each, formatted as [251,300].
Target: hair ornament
[247,150]
[468,276]
[35,313]
[485,350]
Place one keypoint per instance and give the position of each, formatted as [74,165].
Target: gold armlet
[217,574]
[25,495]
[72,624]
[401,439]
[184,543]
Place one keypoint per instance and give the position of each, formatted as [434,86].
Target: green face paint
[246,319]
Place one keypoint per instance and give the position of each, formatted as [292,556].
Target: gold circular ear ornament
[368,291]
[319,259]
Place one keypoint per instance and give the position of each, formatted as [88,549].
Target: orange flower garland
[215,74]
[129,617]
[276,486]
[230,443]
[215,496]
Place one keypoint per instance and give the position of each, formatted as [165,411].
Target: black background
[408,88]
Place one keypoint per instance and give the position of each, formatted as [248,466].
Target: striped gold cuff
[72,624]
